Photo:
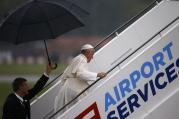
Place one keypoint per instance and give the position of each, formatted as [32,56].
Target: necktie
[23,103]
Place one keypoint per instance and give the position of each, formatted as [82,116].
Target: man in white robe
[76,77]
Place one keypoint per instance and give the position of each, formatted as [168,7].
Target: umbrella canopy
[39,20]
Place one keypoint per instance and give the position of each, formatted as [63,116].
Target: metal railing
[114,67]
[118,30]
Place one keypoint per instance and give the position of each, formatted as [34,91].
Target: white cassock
[75,78]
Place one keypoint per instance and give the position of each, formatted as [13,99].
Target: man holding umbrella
[17,104]
[37,20]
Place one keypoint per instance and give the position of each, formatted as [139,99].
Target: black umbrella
[41,20]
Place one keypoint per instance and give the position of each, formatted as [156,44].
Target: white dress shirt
[21,100]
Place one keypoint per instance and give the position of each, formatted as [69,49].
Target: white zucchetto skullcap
[87,46]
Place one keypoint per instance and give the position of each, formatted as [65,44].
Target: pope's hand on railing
[101,74]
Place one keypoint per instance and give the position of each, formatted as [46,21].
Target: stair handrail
[121,28]
[114,66]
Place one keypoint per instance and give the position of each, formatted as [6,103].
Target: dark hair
[17,83]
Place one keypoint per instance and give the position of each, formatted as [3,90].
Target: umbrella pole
[47,52]
[49,61]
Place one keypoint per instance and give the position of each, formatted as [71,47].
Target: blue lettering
[146,70]
[123,113]
[111,115]
[167,48]
[124,86]
[152,87]
[170,70]
[158,60]
[177,62]
[143,71]
[133,102]
[144,95]
[134,76]
[158,85]
[109,101]
[116,91]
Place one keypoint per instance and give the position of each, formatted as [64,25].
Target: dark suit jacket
[13,107]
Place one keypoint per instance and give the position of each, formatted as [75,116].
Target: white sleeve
[87,75]
[84,74]
[46,74]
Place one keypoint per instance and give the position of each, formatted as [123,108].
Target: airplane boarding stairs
[143,79]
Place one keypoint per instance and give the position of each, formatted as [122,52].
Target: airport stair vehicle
[142,61]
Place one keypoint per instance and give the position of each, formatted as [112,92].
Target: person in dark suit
[17,104]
